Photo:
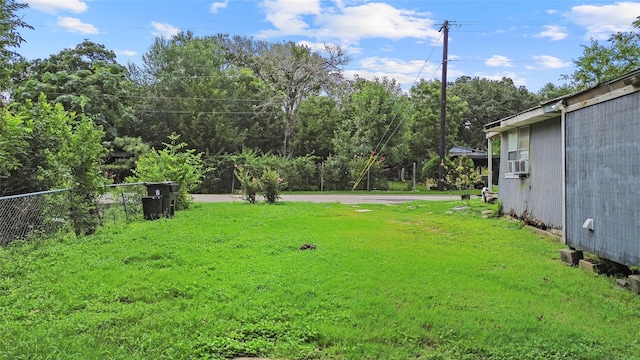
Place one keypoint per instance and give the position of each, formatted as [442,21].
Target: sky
[531,42]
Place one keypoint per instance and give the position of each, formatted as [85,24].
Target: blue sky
[531,42]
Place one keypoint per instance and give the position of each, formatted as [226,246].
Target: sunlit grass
[417,280]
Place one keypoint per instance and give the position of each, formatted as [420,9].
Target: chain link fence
[121,204]
[32,215]
[46,213]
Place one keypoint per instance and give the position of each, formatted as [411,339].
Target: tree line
[234,98]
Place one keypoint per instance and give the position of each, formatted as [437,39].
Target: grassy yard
[417,280]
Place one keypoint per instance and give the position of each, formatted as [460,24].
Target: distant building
[479,158]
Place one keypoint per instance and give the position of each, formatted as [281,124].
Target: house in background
[573,164]
[479,158]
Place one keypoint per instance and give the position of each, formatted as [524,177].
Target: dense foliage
[175,163]
[284,106]
[600,62]
[51,148]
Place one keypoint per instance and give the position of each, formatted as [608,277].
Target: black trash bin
[152,207]
[169,192]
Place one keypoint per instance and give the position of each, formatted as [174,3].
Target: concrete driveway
[334,198]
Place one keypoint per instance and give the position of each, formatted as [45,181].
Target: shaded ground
[333,198]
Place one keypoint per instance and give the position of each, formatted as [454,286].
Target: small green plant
[249,184]
[173,163]
[271,184]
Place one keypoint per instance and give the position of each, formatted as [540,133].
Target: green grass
[416,280]
[395,187]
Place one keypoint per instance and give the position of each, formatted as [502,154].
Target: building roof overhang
[623,85]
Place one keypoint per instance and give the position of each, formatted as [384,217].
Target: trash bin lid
[154,197]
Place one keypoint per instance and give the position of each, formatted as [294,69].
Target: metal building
[573,163]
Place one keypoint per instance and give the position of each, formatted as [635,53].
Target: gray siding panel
[538,197]
[603,178]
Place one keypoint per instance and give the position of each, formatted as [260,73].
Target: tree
[82,57]
[87,80]
[601,62]
[289,71]
[58,149]
[375,119]
[186,90]
[318,117]
[123,155]
[551,91]
[424,138]
[487,100]
[173,163]
[13,144]
[10,38]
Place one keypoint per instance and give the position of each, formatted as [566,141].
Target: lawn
[419,280]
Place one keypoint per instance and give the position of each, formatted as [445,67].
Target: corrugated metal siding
[603,178]
[538,197]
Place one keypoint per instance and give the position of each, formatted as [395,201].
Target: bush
[248,183]
[336,173]
[374,177]
[173,163]
[271,184]
[51,148]
[431,169]
[301,172]
[462,175]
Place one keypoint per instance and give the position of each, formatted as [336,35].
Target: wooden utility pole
[443,104]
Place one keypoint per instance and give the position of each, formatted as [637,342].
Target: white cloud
[552,11]
[126,52]
[405,72]
[377,20]
[288,15]
[164,30]
[312,45]
[76,25]
[601,21]
[53,6]
[347,21]
[498,60]
[217,6]
[553,32]
[551,62]
[517,80]
[320,46]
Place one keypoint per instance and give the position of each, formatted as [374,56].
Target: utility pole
[443,103]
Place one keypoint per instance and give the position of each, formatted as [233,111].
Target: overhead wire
[380,146]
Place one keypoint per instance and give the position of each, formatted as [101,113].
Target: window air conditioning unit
[520,167]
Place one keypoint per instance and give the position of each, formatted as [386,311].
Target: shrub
[462,175]
[47,147]
[430,169]
[248,183]
[173,163]
[271,184]
[374,177]
[336,173]
[301,173]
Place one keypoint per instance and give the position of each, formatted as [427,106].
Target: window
[518,151]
